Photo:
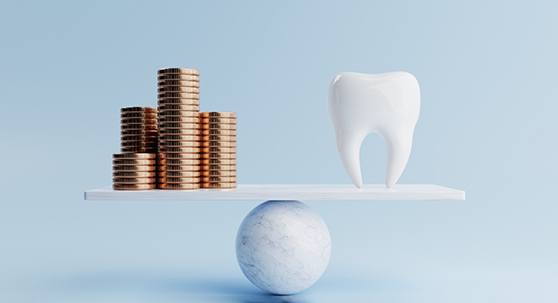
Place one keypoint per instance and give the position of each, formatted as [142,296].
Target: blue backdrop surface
[487,71]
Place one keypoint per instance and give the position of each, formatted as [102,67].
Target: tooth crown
[387,104]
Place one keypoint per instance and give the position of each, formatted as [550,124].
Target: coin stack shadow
[218,149]
[179,128]
[135,167]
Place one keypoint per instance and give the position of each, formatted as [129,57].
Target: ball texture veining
[283,247]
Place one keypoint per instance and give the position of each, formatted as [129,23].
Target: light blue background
[488,125]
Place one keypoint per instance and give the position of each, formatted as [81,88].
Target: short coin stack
[134,171]
[138,130]
[179,128]
[218,150]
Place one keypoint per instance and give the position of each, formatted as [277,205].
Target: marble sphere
[283,247]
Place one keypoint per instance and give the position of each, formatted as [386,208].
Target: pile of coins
[138,130]
[134,171]
[179,128]
[175,146]
[218,149]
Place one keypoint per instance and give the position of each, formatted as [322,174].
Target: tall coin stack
[218,149]
[135,167]
[179,128]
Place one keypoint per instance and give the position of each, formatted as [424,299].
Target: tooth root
[348,145]
[399,143]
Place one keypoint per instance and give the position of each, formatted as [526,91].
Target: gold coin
[193,138]
[134,186]
[218,167]
[185,87]
[139,126]
[178,70]
[176,101]
[182,174]
[183,101]
[180,149]
[139,149]
[219,120]
[219,173]
[189,162]
[179,186]
[181,110]
[136,109]
[218,143]
[134,156]
[131,147]
[129,134]
[166,119]
[139,120]
[178,89]
[179,125]
[134,161]
[218,114]
[137,180]
[224,132]
[218,156]
[187,77]
[218,138]
[162,96]
[218,126]
[168,167]
[138,132]
[163,146]
[180,131]
[142,136]
[215,161]
[179,82]
[218,149]
[140,113]
[181,156]
[121,168]
[222,185]
[138,141]
[134,174]
[178,111]
[146,126]
[181,179]
[176,181]
[220,179]
[166,144]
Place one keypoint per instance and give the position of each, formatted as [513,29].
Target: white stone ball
[283,247]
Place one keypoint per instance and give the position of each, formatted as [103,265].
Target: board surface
[250,192]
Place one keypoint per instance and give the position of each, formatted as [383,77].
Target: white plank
[303,192]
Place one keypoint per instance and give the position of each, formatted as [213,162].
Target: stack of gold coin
[134,171]
[138,129]
[179,128]
[218,150]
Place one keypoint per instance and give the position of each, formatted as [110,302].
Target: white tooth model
[386,104]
